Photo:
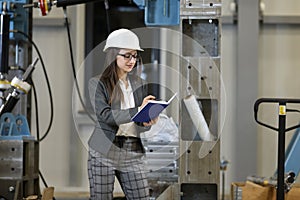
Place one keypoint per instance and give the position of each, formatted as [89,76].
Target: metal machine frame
[200,176]
[198,173]
[19,152]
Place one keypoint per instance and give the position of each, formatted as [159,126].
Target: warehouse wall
[277,78]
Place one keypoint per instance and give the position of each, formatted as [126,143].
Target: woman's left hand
[150,123]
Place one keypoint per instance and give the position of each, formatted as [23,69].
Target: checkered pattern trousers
[124,161]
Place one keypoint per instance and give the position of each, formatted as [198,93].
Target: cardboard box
[252,191]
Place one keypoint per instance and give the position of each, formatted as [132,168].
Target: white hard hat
[124,39]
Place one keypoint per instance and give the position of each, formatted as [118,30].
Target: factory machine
[19,175]
[193,170]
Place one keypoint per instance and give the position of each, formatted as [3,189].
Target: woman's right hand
[146,99]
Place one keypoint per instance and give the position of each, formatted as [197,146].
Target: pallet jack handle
[281,135]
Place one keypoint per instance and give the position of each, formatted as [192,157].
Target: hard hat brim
[105,49]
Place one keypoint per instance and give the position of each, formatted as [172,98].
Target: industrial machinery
[18,149]
[15,49]
[193,162]
[19,174]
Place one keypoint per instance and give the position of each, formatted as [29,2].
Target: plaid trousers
[124,161]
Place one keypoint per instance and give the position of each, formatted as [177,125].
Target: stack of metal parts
[162,165]
[19,153]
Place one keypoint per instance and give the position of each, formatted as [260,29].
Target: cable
[106,6]
[73,65]
[42,177]
[36,113]
[292,110]
[47,81]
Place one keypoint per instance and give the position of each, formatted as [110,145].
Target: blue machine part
[140,3]
[20,18]
[160,12]
[292,163]
[13,127]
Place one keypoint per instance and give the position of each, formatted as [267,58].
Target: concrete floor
[83,198]
[227,197]
[79,196]
[118,198]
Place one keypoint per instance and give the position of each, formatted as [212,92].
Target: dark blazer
[109,117]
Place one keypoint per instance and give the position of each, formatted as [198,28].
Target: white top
[127,129]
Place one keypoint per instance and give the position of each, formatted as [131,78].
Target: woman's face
[126,60]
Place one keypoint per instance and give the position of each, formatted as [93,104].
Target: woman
[115,149]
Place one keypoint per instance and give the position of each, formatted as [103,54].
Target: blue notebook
[151,110]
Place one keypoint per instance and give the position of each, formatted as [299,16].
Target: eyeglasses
[129,56]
